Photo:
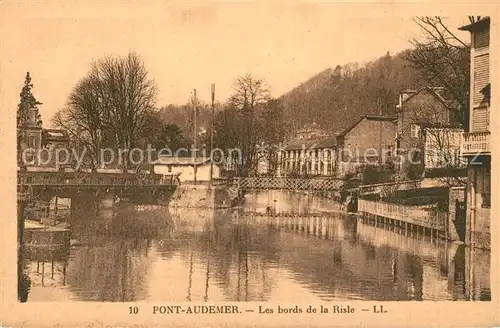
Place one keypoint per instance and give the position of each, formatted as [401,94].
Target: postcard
[220,164]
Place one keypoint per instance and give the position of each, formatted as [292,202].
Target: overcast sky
[187,47]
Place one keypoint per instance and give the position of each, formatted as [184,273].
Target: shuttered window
[481,77]
[480,119]
[482,39]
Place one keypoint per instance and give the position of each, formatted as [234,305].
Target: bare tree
[437,144]
[82,118]
[442,58]
[252,122]
[443,152]
[249,95]
[249,92]
[112,105]
[128,97]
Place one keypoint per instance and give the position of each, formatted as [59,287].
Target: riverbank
[204,195]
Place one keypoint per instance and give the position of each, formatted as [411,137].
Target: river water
[313,252]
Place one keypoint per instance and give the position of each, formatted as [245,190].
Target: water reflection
[245,255]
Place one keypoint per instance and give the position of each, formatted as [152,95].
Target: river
[313,252]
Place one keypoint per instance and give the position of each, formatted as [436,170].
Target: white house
[185,168]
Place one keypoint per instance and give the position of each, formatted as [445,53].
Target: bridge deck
[69,179]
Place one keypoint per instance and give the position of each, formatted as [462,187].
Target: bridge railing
[108,179]
[288,183]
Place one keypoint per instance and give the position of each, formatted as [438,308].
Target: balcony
[476,143]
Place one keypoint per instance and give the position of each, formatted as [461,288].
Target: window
[31,141]
[482,39]
[169,168]
[481,78]
[415,131]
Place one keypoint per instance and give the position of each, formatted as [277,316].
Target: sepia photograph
[223,154]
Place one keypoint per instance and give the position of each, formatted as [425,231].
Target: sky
[190,46]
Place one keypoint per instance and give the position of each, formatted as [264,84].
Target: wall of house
[479,175]
[187,171]
[367,138]
[316,162]
[480,73]
[478,206]
[421,108]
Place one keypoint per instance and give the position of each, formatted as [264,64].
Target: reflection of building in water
[282,201]
[234,255]
[110,271]
[249,278]
[437,271]
[110,258]
[221,258]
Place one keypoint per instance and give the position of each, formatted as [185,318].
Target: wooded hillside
[336,98]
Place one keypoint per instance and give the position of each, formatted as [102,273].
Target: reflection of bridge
[283,183]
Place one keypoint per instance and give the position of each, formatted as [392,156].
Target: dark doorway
[460,219]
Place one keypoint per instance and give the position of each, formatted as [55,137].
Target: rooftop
[370,118]
[55,135]
[312,144]
[437,92]
[175,160]
[480,23]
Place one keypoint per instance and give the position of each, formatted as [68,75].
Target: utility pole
[212,133]
[195,130]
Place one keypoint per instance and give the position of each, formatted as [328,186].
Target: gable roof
[433,91]
[479,24]
[312,144]
[180,161]
[368,117]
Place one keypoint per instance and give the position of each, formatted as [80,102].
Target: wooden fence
[417,215]
[389,188]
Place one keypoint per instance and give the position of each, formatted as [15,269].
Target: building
[476,145]
[311,157]
[369,141]
[39,143]
[428,132]
[416,108]
[31,131]
[312,131]
[185,168]
[54,138]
